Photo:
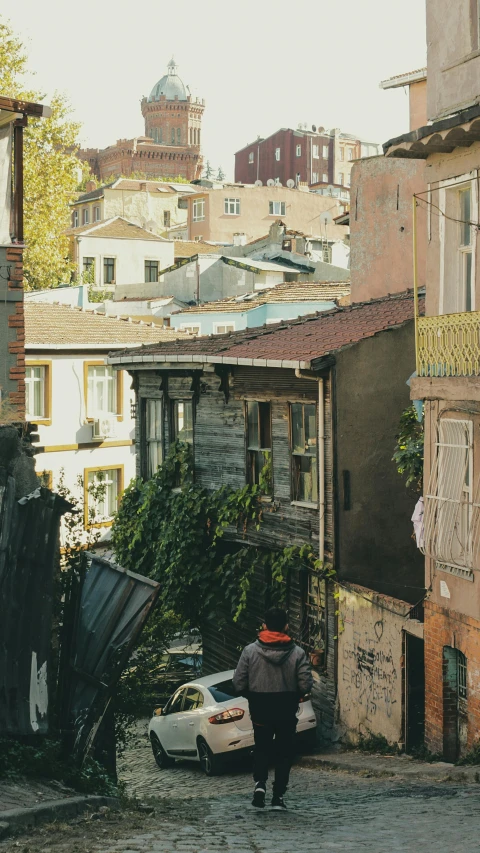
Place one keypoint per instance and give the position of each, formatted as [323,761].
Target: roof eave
[136,361]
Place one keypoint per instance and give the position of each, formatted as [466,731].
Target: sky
[259,65]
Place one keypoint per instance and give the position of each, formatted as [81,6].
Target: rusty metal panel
[113,607]
[28,542]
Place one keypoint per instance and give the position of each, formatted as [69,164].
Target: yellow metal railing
[449,345]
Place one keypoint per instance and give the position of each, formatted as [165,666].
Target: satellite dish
[270,182]
[259,183]
[325,218]
[314,128]
[290,183]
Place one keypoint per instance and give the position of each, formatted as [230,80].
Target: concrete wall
[381,226]
[130,256]
[143,208]
[303,213]
[67,436]
[453,56]
[374,544]
[370,650]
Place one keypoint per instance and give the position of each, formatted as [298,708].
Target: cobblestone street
[328,811]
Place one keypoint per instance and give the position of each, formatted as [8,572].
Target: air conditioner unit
[103,428]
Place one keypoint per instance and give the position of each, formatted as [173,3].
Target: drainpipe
[321,460]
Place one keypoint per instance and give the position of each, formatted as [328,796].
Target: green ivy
[408,455]
[176,536]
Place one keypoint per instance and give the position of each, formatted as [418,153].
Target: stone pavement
[329,811]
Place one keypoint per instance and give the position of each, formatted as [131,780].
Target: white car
[205,721]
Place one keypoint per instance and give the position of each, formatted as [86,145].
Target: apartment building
[448,373]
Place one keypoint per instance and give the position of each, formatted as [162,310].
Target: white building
[82,407]
[154,205]
[116,251]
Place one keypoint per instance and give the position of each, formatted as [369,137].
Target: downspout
[415,281]
[321,460]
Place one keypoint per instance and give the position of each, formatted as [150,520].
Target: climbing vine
[173,531]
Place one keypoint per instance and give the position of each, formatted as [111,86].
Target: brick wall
[445,627]
[13,354]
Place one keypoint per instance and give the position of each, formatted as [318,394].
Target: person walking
[273,673]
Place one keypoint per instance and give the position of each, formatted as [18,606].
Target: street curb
[441,772]
[52,810]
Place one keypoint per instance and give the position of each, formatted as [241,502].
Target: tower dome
[170,85]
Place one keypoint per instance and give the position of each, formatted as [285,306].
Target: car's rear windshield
[223,691]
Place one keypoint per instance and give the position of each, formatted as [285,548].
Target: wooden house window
[183,420]
[153,444]
[259,445]
[304,452]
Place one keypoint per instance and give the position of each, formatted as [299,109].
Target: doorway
[454,703]
[415,692]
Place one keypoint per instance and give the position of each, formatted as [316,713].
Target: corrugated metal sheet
[113,607]
[28,541]
[268,381]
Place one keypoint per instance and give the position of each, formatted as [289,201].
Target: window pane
[468,280]
[305,479]
[310,427]
[184,421]
[265,426]
[298,432]
[253,438]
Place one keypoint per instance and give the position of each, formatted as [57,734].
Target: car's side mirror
[158,712]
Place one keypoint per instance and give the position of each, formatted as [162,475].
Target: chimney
[90,186]
[239,239]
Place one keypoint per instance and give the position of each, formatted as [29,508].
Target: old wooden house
[319,399]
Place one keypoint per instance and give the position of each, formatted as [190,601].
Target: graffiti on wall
[370,680]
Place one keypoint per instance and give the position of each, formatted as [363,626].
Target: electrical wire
[445,215]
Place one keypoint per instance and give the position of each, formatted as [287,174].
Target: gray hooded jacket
[273,676]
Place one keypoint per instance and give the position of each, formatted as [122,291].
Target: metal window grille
[461,675]
[449,498]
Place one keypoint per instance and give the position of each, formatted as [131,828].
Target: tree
[208,170]
[220,174]
[52,172]
[408,455]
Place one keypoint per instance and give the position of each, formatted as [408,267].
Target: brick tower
[171,145]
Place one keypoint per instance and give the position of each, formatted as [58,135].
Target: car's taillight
[230,716]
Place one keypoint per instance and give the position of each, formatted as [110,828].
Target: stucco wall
[303,213]
[381,226]
[144,207]
[453,56]
[272,312]
[418,104]
[130,256]
[370,649]
[67,439]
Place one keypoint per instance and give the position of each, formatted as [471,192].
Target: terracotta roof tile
[47,323]
[117,227]
[304,339]
[294,291]
[188,248]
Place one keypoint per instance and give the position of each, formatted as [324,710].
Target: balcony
[449,345]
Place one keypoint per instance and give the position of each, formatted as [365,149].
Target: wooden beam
[25,107]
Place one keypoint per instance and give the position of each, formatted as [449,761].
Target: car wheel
[162,759]
[211,764]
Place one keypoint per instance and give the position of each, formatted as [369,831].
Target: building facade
[172,140]
[229,213]
[155,205]
[83,410]
[116,252]
[301,156]
[448,374]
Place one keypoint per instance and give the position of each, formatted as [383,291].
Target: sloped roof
[117,227]
[293,343]
[295,291]
[188,248]
[405,79]
[55,324]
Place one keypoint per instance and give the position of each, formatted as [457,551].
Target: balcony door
[458,212]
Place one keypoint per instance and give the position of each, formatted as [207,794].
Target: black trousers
[275,740]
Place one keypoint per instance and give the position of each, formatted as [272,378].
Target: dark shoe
[259,795]
[277,804]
